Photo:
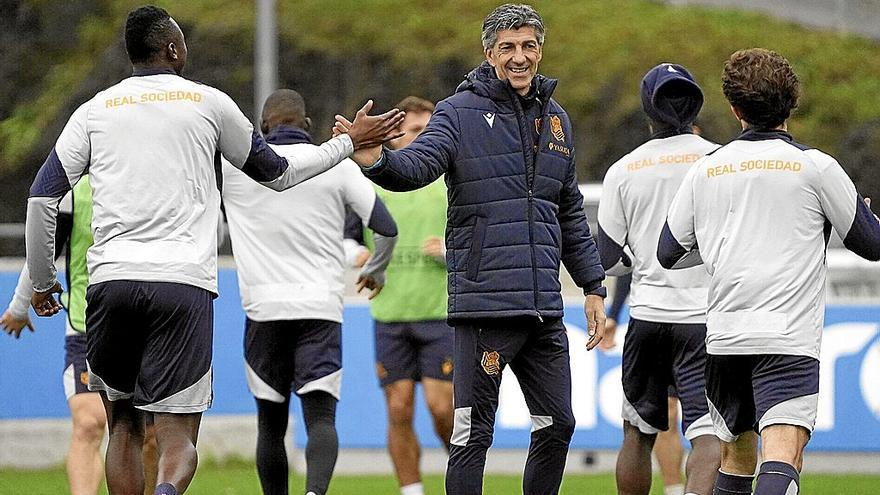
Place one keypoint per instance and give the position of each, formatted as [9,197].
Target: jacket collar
[665,132]
[148,71]
[286,134]
[484,82]
[751,134]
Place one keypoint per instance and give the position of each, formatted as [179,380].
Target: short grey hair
[511,16]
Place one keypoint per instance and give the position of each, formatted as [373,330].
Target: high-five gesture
[369,131]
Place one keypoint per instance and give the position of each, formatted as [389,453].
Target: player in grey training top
[665,344]
[151,144]
[759,212]
[290,274]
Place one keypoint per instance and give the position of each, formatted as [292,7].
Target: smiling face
[515,56]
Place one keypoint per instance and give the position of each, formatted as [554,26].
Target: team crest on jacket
[556,128]
[491,363]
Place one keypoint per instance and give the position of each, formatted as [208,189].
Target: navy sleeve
[381,221]
[425,159]
[262,163]
[610,251]
[354,227]
[672,255]
[863,237]
[579,253]
[51,180]
[621,292]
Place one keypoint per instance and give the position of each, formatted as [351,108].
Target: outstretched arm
[420,163]
[246,149]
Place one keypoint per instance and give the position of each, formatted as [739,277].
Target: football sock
[322,446]
[412,489]
[733,484]
[674,490]
[271,454]
[777,478]
[165,489]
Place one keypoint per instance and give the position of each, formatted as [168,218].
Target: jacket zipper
[530,156]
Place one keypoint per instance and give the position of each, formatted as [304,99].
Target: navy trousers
[537,353]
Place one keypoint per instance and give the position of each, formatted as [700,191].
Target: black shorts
[293,355]
[659,358]
[751,392]
[414,350]
[151,342]
[76,374]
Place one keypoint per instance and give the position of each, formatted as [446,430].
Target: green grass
[240,477]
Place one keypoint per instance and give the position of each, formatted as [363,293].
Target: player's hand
[610,330]
[433,247]
[13,326]
[365,157]
[362,258]
[44,303]
[368,131]
[594,309]
[369,283]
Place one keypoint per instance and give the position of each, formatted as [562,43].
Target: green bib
[80,241]
[415,284]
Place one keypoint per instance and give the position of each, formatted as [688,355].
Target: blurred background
[57,54]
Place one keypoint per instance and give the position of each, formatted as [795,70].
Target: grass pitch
[240,478]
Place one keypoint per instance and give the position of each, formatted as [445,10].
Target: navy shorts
[659,358]
[151,342]
[293,355]
[76,374]
[414,350]
[751,392]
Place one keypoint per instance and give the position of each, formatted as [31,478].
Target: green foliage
[598,49]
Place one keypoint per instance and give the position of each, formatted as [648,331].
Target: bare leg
[176,435]
[124,464]
[783,449]
[741,456]
[668,449]
[151,458]
[702,464]
[403,446]
[634,462]
[85,468]
[438,395]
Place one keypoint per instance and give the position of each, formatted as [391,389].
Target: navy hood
[484,82]
[671,96]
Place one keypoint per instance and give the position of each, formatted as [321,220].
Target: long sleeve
[425,159]
[677,247]
[613,231]
[579,253]
[59,173]
[847,212]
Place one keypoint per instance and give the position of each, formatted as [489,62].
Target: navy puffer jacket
[513,214]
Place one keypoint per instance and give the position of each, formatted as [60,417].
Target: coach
[514,213]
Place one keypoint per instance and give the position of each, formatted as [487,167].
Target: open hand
[594,309]
[13,326]
[369,283]
[44,303]
[365,157]
[367,131]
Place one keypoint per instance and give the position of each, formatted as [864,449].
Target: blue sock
[777,478]
[165,489]
[733,484]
